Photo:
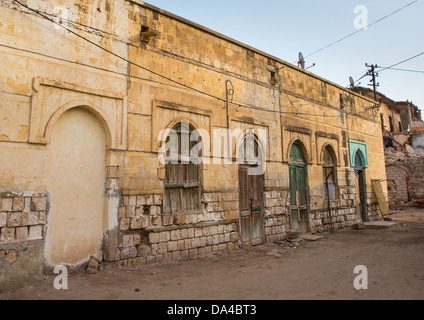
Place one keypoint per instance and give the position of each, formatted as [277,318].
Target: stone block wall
[147,235]
[23,220]
[398,178]
[23,216]
[416,179]
[374,211]
[276,204]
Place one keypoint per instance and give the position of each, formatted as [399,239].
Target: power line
[390,68]
[406,60]
[357,31]
[366,74]
[175,81]
[406,70]
[394,65]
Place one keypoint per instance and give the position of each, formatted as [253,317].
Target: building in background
[396,116]
[403,134]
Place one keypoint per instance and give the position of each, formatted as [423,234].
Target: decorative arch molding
[241,127]
[324,139]
[51,99]
[97,111]
[305,137]
[203,133]
[171,114]
[332,150]
[356,146]
[361,157]
[257,139]
[302,145]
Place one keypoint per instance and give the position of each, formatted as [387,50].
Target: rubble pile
[398,148]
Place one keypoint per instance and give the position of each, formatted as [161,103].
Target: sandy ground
[317,270]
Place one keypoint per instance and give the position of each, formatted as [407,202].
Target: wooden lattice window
[182,176]
[329,168]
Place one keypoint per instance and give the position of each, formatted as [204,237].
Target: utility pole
[371,72]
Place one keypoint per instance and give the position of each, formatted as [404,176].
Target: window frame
[188,177]
[333,167]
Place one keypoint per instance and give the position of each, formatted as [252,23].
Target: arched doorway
[298,190]
[251,188]
[76,176]
[360,200]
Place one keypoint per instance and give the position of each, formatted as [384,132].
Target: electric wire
[406,60]
[357,31]
[394,65]
[405,70]
[175,81]
[366,74]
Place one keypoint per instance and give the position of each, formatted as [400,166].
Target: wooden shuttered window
[329,174]
[182,182]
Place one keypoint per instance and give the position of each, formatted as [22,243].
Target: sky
[284,28]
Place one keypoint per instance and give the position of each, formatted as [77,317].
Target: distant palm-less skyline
[285,28]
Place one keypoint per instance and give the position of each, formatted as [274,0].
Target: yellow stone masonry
[186,69]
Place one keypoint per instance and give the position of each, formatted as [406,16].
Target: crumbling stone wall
[416,179]
[398,177]
[23,219]
[404,170]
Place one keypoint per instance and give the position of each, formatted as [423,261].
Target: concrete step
[311,237]
[381,225]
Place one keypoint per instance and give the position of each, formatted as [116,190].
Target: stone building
[396,116]
[403,134]
[87,114]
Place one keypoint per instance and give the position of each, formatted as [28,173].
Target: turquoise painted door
[361,203]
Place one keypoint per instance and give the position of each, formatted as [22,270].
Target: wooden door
[361,205]
[298,190]
[251,208]
[299,208]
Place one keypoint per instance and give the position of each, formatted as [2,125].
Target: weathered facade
[82,129]
[396,116]
[403,132]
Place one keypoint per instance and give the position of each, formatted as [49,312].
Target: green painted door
[298,190]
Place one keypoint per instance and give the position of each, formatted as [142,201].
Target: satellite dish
[352,82]
[301,62]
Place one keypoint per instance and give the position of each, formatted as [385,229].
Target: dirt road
[322,269]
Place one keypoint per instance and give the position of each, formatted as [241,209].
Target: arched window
[182,173]
[250,151]
[296,155]
[329,173]
[358,161]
